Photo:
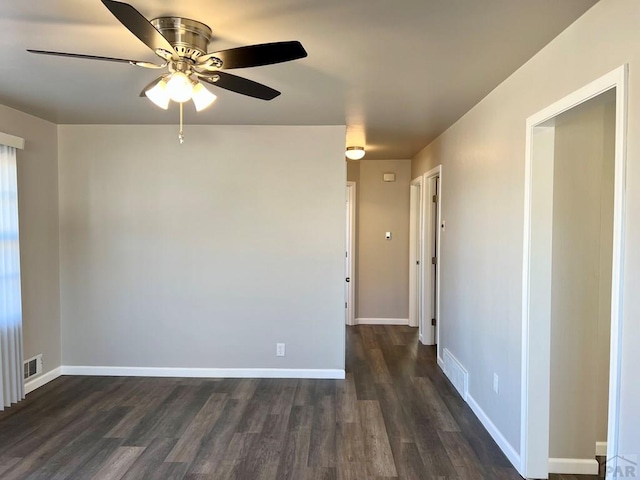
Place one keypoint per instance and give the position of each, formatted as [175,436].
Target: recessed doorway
[573,249]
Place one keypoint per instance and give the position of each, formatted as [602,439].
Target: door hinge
[434,260]
[433,322]
[417,262]
[435,199]
[345,304]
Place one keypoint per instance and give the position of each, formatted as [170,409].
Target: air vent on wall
[33,366]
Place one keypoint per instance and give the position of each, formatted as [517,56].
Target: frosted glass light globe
[354,153]
[179,87]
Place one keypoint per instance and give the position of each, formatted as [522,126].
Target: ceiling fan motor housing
[190,38]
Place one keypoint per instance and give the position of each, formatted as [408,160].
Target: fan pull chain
[181,133]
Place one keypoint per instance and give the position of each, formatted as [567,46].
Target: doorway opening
[349,261]
[416,267]
[572,303]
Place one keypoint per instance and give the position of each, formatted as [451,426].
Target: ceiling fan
[182,45]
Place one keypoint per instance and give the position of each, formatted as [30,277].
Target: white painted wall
[204,254]
[581,278]
[38,211]
[483,195]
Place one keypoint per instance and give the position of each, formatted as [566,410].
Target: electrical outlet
[279,349]
[496,383]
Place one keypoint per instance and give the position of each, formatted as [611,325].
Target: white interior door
[416,267]
[432,229]
[349,261]
[434,249]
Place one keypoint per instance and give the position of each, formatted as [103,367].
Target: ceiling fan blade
[240,85]
[137,63]
[258,55]
[137,24]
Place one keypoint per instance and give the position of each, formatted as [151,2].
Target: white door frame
[350,271]
[431,335]
[536,292]
[416,265]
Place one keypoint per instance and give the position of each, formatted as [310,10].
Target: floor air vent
[33,366]
[456,373]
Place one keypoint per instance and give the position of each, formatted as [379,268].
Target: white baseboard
[573,466]
[459,376]
[382,321]
[43,379]
[441,364]
[496,434]
[38,382]
[203,372]
[601,449]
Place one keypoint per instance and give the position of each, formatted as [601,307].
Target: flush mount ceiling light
[354,153]
[182,45]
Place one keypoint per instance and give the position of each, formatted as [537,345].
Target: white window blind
[11,374]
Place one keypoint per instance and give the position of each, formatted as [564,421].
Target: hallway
[395,416]
[431,431]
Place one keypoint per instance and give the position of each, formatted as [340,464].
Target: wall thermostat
[389,177]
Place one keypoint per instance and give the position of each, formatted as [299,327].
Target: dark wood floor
[395,416]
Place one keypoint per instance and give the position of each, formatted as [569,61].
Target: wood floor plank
[350,446]
[376,442]
[215,444]
[378,366]
[462,456]
[8,463]
[442,418]
[144,405]
[322,450]
[408,461]
[394,416]
[295,454]
[346,400]
[190,442]
[150,460]
[118,463]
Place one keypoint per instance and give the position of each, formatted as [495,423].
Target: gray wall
[204,254]
[38,210]
[581,277]
[483,206]
[383,265]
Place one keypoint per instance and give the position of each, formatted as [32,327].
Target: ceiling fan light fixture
[202,98]
[159,95]
[354,153]
[179,87]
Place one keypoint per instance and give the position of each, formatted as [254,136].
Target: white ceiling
[397,73]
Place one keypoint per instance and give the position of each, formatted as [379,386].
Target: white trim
[601,449]
[335,374]
[574,466]
[416,254]
[535,371]
[382,321]
[351,250]
[430,334]
[510,452]
[11,141]
[619,212]
[441,364]
[43,379]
